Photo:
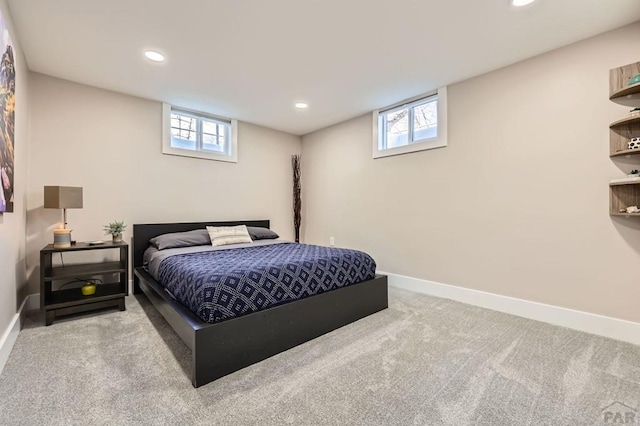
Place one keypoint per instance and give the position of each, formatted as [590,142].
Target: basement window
[195,134]
[414,125]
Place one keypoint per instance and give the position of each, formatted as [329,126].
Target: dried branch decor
[297,201]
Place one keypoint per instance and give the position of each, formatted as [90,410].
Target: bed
[232,343]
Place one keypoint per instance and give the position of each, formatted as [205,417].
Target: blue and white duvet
[220,284]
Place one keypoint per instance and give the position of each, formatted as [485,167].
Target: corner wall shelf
[625,121]
[625,152]
[624,194]
[619,81]
[620,133]
[626,91]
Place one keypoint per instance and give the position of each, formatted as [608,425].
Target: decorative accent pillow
[258,233]
[197,237]
[223,235]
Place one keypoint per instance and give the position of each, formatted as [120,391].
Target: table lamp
[62,197]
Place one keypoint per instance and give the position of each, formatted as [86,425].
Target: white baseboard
[614,328]
[10,335]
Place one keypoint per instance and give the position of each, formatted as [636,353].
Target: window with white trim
[195,134]
[414,125]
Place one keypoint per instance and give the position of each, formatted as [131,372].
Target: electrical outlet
[332,241]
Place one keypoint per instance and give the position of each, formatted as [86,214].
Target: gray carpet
[423,361]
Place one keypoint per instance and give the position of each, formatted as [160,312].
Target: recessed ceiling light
[154,56]
[302,105]
[520,3]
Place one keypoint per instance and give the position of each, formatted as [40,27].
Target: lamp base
[62,238]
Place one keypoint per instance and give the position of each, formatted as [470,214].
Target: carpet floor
[423,361]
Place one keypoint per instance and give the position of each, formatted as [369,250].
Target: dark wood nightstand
[71,301]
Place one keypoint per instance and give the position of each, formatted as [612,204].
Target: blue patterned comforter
[218,285]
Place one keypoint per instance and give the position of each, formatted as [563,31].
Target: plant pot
[117,238]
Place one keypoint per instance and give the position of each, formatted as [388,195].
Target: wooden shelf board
[624,214]
[625,121]
[625,152]
[84,270]
[73,296]
[625,91]
[81,246]
[634,182]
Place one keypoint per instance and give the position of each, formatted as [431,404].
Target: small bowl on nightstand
[88,289]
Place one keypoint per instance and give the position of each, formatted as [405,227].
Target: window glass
[397,124]
[425,120]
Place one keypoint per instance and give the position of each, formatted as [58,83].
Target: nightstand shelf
[73,297]
[68,301]
[74,271]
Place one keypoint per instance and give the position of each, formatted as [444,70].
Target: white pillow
[223,235]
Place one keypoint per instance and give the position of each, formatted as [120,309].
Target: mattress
[221,283]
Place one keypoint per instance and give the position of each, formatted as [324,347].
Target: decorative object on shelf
[634,173]
[297,200]
[633,209]
[635,112]
[88,288]
[62,197]
[634,80]
[115,229]
[62,238]
[634,143]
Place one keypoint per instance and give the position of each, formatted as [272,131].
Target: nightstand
[70,301]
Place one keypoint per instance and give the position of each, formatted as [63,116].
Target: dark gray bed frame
[221,348]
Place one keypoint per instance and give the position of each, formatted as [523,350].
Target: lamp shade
[62,197]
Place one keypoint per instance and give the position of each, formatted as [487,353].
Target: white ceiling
[252,59]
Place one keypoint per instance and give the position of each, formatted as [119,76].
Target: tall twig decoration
[297,201]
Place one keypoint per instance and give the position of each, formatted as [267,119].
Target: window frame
[230,150]
[379,126]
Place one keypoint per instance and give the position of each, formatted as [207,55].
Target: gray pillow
[258,233]
[197,237]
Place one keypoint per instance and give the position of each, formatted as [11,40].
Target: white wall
[110,144]
[13,225]
[517,204]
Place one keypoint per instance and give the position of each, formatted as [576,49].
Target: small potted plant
[115,229]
